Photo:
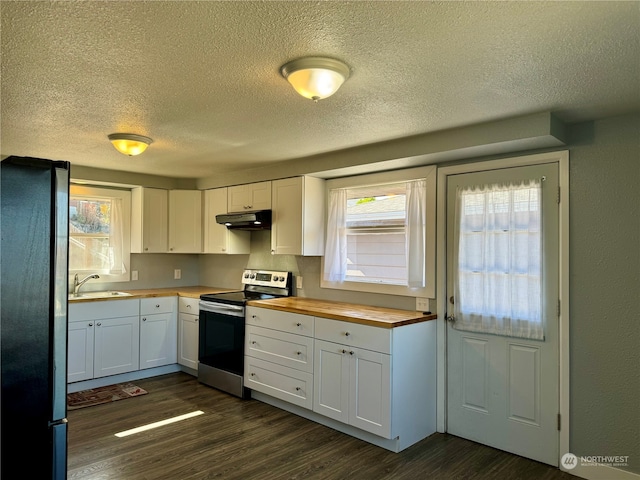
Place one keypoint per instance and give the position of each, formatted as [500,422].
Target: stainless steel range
[222,326]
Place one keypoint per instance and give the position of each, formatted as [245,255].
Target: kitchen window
[99,232]
[379,238]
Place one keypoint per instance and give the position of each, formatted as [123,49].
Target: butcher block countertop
[191,292]
[348,312]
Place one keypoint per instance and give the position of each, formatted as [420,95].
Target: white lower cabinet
[103,339]
[353,385]
[188,332]
[279,355]
[116,346]
[375,383]
[158,332]
[80,350]
[119,336]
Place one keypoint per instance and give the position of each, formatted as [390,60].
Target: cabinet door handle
[157,305]
[298,389]
[344,351]
[99,324]
[253,342]
[351,352]
[91,324]
[253,374]
[144,319]
[298,353]
[188,306]
[346,334]
[254,316]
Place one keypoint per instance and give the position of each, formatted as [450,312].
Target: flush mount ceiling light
[129,143]
[315,77]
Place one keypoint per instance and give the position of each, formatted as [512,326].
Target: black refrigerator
[34,210]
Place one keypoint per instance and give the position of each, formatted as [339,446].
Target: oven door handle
[234,310]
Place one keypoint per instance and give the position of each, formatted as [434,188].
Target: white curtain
[335,254]
[415,224]
[116,239]
[498,262]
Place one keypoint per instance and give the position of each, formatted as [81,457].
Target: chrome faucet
[77,284]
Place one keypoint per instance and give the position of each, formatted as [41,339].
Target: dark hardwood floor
[247,439]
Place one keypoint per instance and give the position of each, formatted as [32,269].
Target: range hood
[260,220]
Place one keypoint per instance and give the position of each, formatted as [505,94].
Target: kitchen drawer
[294,351]
[354,334]
[277,320]
[149,306]
[189,305]
[281,382]
[105,309]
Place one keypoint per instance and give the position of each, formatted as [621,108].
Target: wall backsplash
[225,271]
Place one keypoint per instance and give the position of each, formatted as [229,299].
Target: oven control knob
[253,275]
[246,275]
[278,279]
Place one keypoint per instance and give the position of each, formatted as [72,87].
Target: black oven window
[222,342]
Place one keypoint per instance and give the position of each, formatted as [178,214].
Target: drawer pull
[253,374]
[254,316]
[346,334]
[351,352]
[99,324]
[344,351]
[253,342]
[144,319]
[298,389]
[91,324]
[298,353]
[298,324]
[188,306]
[157,305]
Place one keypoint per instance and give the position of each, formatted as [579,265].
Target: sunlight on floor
[161,423]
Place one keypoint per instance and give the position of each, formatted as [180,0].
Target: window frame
[394,176]
[95,192]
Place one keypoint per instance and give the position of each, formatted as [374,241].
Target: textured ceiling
[202,78]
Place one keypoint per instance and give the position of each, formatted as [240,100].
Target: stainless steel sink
[105,294]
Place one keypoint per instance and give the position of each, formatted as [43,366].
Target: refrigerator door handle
[58,422]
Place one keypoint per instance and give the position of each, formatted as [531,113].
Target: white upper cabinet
[249,197]
[185,221]
[149,220]
[298,205]
[218,238]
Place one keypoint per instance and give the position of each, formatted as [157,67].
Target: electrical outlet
[422,304]
[298,282]
[177,274]
[134,275]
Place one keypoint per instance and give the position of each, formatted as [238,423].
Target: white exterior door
[503,391]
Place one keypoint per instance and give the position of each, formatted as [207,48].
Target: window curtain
[116,239]
[415,225]
[335,255]
[498,269]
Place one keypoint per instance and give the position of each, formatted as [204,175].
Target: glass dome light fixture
[129,143]
[315,77]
